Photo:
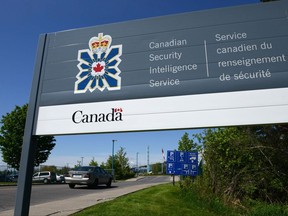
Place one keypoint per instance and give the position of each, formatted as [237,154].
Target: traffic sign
[182,163]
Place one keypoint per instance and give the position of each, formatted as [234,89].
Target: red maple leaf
[98,68]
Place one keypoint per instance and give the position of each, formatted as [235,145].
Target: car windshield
[89,169]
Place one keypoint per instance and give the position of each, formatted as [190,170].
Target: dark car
[13,178]
[88,175]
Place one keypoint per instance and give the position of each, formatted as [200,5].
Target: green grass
[7,183]
[159,200]
[264,209]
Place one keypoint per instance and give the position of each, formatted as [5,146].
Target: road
[45,195]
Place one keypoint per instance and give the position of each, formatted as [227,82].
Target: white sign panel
[209,110]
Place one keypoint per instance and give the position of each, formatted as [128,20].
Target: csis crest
[98,66]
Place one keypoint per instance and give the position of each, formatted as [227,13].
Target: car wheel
[95,183]
[109,183]
[72,186]
[45,181]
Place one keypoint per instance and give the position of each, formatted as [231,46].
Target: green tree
[11,139]
[121,164]
[104,166]
[224,160]
[157,168]
[186,144]
[247,161]
[64,170]
[93,162]
[271,147]
[49,168]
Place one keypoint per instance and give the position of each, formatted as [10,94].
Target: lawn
[158,200]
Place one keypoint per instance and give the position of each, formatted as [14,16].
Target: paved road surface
[60,200]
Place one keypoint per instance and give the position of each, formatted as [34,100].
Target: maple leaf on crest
[98,68]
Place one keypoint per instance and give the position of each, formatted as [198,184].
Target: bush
[263,209]
[194,190]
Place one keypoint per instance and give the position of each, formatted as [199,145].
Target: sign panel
[202,69]
[182,163]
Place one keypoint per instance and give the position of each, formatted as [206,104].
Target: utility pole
[137,166]
[113,159]
[148,166]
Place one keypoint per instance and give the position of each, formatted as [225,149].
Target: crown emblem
[98,66]
[100,44]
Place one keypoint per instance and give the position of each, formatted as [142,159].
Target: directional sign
[182,163]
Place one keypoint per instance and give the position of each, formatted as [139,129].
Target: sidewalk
[72,205]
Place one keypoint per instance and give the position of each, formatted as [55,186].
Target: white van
[44,177]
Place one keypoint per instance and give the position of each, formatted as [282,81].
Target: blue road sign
[182,163]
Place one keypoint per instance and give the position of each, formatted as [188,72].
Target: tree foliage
[121,164]
[158,168]
[187,144]
[11,139]
[93,162]
[58,170]
[247,162]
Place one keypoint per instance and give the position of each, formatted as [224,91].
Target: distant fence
[6,172]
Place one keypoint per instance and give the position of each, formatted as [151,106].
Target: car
[60,178]
[13,178]
[44,177]
[88,175]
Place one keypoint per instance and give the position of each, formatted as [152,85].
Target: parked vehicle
[13,178]
[44,177]
[60,178]
[88,175]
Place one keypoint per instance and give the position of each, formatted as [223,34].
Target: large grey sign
[223,50]
[203,69]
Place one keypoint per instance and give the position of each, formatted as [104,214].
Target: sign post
[24,182]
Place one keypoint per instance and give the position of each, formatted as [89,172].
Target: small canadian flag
[118,110]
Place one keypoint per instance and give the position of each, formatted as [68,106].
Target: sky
[22,21]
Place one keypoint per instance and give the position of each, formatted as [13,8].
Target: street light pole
[137,166]
[113,159]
